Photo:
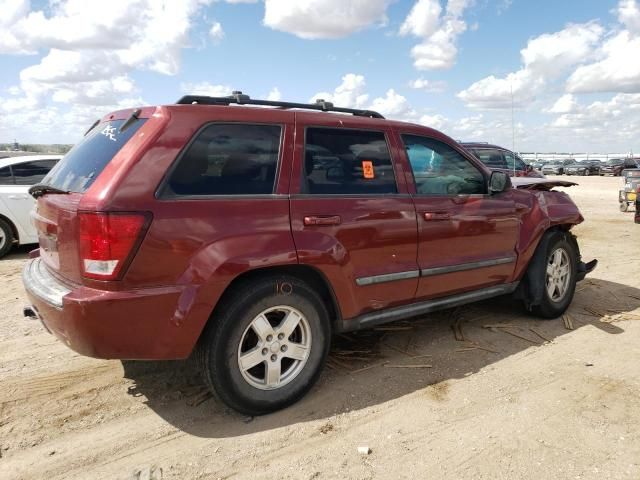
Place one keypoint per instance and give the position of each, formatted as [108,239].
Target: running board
[372,319]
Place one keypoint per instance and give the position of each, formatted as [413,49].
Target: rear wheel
[558,276]
[6,238]
[266,345]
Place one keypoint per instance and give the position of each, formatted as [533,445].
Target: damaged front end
[544,211]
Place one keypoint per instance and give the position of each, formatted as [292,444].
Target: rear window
[81,166]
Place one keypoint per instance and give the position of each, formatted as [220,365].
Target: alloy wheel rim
[558,274]
[274,348]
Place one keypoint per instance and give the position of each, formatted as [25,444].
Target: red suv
[251,234]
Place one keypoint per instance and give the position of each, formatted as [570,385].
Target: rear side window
[338,161]
[228,159]
[30,173]
[86,160]
[5,176]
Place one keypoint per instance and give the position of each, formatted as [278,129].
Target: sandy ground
[521,408]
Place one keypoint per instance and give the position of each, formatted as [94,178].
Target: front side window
[438,169]
[339,161]
[491,157]
[514,162]
[5,176]
[228,159]
[30,173]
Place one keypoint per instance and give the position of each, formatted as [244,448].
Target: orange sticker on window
[367,169]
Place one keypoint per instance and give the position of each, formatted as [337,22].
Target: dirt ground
[519,407]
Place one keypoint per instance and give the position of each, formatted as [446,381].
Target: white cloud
[619,71]
[423,19]
[545,58]
[439,33]
[629,15]
[349,94]
[428,85]
[206,88]
[394,106]
[274,95]
[565,104]
[216,32]
[437,121]
[313,19]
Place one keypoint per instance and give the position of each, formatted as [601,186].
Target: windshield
[81,166]
[615,161]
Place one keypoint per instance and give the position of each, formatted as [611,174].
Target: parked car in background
[17,174]
[250,235]
[556,167]
[499,158]
[587,167]
[537,165]
[615,166]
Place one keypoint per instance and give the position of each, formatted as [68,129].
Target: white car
[17,174]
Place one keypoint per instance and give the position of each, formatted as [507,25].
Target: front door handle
[322,220]
[436,216]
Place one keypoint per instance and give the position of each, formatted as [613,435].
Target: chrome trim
[387,277]
[428,272]
[38,281]
[421,308]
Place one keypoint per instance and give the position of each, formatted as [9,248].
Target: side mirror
[499,182]
[528,168]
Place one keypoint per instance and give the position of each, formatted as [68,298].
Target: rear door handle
[436,216]
[320,220]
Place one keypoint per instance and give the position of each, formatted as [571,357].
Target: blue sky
[573,66]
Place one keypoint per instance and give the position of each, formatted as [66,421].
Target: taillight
[107,241]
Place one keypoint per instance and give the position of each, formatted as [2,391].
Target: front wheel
[558,276]
[266,345]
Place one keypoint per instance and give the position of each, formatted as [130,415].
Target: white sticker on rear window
[109,132]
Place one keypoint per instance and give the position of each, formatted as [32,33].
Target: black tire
[545,307]
[585,173]
[6,238]
[220,345]
[624,207]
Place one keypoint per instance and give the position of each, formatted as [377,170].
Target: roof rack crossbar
[240,99]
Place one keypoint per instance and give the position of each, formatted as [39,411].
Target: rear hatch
[56,215]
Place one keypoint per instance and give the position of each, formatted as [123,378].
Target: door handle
[436,216]
[17,197]
[319,220]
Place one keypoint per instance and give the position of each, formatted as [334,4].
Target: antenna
[513,132]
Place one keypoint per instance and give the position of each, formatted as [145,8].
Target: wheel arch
[308,274]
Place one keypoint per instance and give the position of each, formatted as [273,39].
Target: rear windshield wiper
[40,189]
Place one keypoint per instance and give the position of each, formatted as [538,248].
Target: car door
[467,237]
[351,216]
[17,198]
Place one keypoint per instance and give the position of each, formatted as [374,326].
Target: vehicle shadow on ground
[455,343]
[20,252]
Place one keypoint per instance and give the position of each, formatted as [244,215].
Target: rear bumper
[143,324]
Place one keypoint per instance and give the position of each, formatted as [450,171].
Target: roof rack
[239,98]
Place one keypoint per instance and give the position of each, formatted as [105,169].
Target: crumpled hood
[530,183]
